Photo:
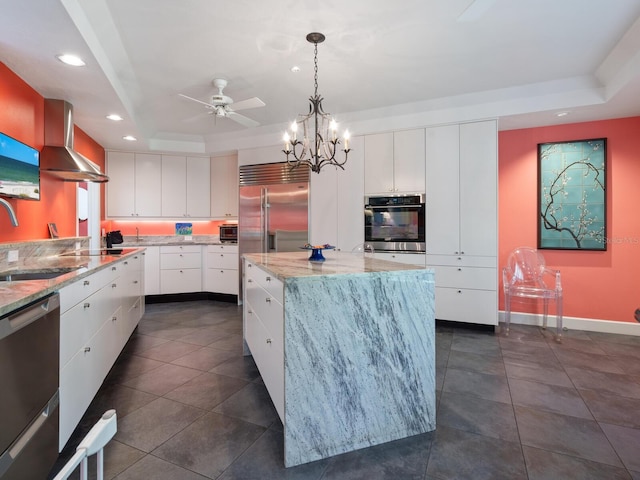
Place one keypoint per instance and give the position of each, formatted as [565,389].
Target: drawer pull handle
[86,282]
[113,269]
[268,300]
[459,269]
[459,291]
[249,281]
[250,312]
[249,265]
[87,349]
[126,263]
[269,341]
[113,319]
[135,282]
[87,305]
[268,279]
[113,285]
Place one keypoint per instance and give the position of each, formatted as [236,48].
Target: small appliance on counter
[229,233]
[113,237]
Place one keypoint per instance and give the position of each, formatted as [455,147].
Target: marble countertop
[295,264]
[16,294]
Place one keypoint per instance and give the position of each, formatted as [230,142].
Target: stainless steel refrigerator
[274,208]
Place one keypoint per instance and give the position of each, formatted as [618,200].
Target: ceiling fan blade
[196,100]
[242,120]
[254,102]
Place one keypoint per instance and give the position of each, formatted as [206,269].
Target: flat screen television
[19,169]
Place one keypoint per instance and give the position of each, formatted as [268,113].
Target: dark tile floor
[190,406]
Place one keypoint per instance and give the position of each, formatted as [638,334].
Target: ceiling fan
[220,105]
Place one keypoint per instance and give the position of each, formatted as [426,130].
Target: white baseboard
[575,323]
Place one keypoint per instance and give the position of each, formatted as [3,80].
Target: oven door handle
[393,207]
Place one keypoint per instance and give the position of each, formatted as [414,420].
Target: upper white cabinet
[133,190]
[185,186]
[462,205]
[171,186]
[224,187]
[395,162]
[336,204]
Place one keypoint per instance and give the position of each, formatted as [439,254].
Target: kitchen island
[345,348]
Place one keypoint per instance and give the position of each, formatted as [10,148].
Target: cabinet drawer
[225,260]
[181,281]
[470,306]
[466,277]
[222,249]
[180,260]
[465,260]
[268,357]
[417,259]
[270,312]
[265,280]
[77,291]
[180,249]
[221,281]
[80,323]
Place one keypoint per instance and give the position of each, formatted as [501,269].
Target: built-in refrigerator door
[251,220]
[287,216]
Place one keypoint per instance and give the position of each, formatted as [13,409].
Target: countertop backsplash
[33,249]
[152,240]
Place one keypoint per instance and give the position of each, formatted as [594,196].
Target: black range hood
[58,158]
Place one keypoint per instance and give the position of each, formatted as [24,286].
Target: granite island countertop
[285,265]
[16,294]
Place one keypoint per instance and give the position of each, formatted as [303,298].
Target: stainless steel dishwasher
[29,378]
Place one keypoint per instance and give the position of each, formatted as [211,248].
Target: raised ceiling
[384,65]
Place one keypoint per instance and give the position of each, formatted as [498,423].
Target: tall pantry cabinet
[462,220]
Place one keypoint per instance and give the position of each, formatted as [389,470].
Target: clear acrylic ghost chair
[526,276]
[364,249]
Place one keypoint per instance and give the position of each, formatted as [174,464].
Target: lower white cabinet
[466,288]
[151,270]
[264,329]
[221,270]
[180,269]
[98,314]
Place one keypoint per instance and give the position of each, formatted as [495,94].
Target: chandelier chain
[315,67]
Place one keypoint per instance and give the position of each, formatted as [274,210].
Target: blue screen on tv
[19,169]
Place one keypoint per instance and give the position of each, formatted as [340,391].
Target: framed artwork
[53,230]
[572,195]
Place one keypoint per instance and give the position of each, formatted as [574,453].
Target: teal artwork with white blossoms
[572,195]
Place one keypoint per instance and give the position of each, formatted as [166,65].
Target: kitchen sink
[35,275]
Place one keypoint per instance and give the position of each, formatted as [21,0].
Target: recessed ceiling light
[562,114]
[115,117]
[295,69]
[72,60]
[130,138]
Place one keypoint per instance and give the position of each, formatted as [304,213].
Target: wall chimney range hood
[58,158]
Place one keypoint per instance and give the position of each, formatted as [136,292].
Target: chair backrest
[526,264]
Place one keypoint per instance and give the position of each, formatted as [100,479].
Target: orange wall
[128,227]
[597,285]
[22,117]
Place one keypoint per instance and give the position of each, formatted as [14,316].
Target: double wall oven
[395,223]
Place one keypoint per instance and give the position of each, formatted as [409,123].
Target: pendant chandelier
[319,143]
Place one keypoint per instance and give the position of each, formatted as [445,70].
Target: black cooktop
[102,251]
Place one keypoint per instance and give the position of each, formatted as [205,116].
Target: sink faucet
[12,214]
[137,235]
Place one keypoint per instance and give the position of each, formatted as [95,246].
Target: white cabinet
[133,189]
[264,329]
[185,186]
[180,269]
[224,187]
[395,162]
[336,203]
[151,270]
[221,272]
[94,328]
[461,225]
